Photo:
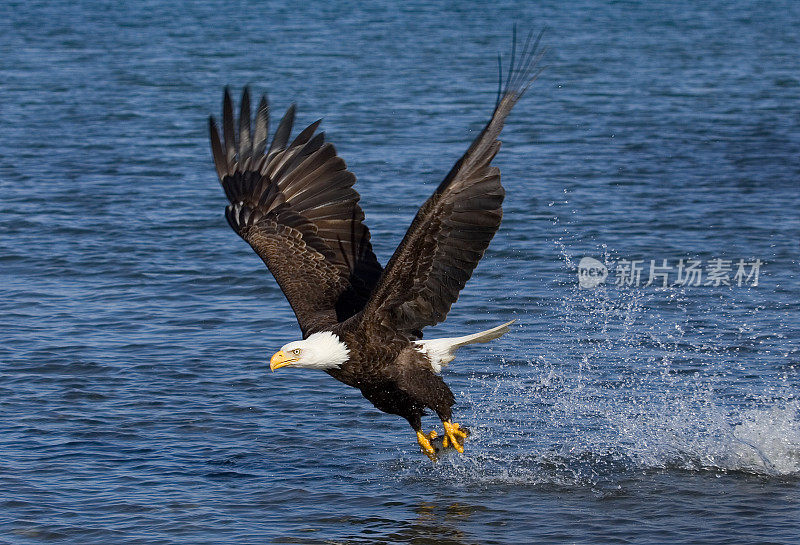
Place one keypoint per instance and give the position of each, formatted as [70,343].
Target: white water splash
[631,381]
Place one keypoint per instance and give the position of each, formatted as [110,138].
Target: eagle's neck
[328,349]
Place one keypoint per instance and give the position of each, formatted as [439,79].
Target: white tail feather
[443,351]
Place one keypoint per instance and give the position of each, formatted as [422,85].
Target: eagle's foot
[425,443]
[454,435]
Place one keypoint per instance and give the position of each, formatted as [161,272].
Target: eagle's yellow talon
[425,444]
[453,432]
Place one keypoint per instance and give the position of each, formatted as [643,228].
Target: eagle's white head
[323,350]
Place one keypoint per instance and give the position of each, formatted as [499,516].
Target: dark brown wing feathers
[295,205]
[453,228]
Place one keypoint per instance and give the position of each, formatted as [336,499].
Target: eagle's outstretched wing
[453,228]
[294,203]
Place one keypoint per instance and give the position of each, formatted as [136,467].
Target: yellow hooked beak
[281,359]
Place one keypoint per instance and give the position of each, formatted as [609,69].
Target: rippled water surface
[135,328]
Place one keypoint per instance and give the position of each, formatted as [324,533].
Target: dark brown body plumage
[391,373]
[294,203]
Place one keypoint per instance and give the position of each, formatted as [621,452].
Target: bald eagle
[294,203]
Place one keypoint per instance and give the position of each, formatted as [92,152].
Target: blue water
[135,327]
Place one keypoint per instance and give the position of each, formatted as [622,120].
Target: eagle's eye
[296,351]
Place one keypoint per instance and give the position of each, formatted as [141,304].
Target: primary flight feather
[294,203]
